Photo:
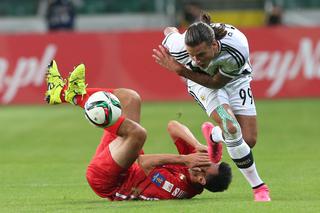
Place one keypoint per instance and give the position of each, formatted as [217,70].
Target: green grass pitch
[44,151]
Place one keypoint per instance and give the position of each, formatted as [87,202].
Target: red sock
[63,100]
[115,127]
[81,100]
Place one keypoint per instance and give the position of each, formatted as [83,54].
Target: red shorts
[104,175]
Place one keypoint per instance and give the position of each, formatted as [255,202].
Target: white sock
[216,134]
[249,170]
[252,175]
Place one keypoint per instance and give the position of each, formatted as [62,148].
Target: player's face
[197,174]
[203,53]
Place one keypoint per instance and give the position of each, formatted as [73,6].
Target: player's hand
[163,57]
[198,159]
[201,148]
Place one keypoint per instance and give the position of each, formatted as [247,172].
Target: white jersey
[232,60]
[174,42]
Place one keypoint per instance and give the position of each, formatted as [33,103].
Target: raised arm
[163,57]
[180,131]
[150,161]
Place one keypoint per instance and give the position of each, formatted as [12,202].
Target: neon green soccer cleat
[55,84]
[76,83]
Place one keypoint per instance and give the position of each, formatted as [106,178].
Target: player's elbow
[172,125]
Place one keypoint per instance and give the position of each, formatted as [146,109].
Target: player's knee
[250,140]
[135,97]
[232,131]
[232,128]
[131,97]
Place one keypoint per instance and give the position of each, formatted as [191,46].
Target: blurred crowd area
[82,15]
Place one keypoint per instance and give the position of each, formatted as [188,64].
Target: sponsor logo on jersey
[158,179]
[176,191]
[182,194]
[167,186]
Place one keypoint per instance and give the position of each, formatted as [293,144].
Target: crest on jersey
[158,179]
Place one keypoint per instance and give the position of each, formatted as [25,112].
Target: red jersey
[163,182]
[109,180]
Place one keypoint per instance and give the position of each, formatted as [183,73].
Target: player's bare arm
[178,130]
[150,161]
[163,57]
[214,82]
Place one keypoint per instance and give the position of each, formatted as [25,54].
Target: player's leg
[216,105]
[237,148]
[78,94]
[75,91]
[126,150]
[248,126]
[130,103]
[114,155]
[243,106]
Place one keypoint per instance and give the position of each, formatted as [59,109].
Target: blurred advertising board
[286,63]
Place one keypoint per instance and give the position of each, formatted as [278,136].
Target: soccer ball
[102,109]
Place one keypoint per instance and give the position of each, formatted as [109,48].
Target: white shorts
[236,94]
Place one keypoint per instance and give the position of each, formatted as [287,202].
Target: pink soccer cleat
[214,148]
[261,194]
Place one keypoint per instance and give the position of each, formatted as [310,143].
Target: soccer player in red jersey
[119,170]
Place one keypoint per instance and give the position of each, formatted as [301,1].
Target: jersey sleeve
[235,50]
[174,42]
[230,68]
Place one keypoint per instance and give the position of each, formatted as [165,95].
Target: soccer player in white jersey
[214,60]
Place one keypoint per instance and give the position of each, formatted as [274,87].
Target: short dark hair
[197,33]
[221,181]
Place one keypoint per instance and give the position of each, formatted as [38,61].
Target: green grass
[42,167]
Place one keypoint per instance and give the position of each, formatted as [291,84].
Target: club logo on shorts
[203,98]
